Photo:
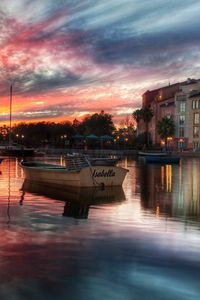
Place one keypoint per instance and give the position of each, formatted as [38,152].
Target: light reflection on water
[139,242]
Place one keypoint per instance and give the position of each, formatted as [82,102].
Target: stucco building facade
[187,115]
[181,102]
[162,103]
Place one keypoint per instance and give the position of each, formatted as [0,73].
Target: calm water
[139,242]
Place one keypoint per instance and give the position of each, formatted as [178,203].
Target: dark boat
[16,150]
[162,159]
[149,153]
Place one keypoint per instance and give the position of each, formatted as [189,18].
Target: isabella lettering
[103,173]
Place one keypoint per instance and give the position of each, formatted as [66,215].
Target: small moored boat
[16,150]
[78,172]
[154,154]
[162,159]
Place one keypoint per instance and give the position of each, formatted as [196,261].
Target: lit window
[196,118]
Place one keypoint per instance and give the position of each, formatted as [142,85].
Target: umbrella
[78,136]
[92,137]
[106,137]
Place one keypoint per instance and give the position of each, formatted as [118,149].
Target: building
[187,115]
[162,103]
[181,102]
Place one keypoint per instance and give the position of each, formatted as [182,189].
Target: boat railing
[76,162]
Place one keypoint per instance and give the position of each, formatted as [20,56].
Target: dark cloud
[31,83]
[151,49]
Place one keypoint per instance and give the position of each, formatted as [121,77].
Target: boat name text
[103,173]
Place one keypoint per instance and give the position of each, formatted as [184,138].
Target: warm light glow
[157,210]
[162,177]
[168,178]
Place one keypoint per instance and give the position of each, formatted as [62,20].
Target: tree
[98,124]
[137,115]
[166,128]
[145,114]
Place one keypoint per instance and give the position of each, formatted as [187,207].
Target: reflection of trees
[171,189]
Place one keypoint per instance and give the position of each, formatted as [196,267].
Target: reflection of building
[171,189]
[186,192]
[156,187]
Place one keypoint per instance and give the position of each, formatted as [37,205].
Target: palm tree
[137,115]
[146,115]
[166,128]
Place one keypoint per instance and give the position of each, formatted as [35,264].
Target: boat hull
[86,177]
[88,196]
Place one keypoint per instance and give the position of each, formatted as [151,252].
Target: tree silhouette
[145,114]
[166,128]
[98,124]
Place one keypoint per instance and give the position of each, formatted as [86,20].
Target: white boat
[78,172]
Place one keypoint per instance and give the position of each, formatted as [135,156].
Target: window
[195,104]
[196,132]
[196,118]
[182,120]
[182,106]
[181,132]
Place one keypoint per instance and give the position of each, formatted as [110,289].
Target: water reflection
[171,189]
[9,191]
[77,200]
[133,249]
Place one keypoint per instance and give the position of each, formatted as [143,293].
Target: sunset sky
[69,58]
